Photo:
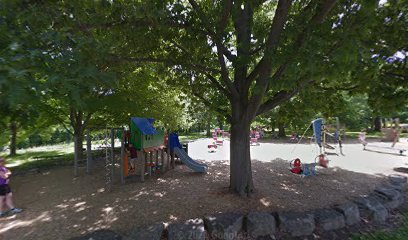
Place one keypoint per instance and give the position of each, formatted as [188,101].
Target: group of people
[6,195]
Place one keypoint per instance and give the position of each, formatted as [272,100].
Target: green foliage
[401,233]
[61,54]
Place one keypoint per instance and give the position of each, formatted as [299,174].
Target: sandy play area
[58,206]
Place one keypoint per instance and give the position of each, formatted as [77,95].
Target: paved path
[355,158]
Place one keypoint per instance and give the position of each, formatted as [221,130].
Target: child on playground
[362,137]
[132,157]
[6,196]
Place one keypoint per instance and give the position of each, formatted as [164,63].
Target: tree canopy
[93,61]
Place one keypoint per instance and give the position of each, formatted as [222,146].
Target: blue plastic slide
[187,160]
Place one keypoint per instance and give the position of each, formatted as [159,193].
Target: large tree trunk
[282,132]
[13,138]
[208,127]
[78,123]
[78,147]
[377,124]
[240,165]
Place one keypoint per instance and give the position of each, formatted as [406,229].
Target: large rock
[191,229]
[104,234]
[391,198]
[398,182]
[372,209]
[260,224]
[397,179]
[224,226]
[152,232]
[329,219]
[350,211]
[297,224]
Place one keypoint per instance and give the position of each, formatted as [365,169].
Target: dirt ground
[58,206]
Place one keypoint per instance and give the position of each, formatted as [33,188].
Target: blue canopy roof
[145,125]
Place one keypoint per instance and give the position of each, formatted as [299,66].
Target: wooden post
[112,151]
[142,161]
[150,162]
[122,157]
[173,160]
[168,158]
[156,157]
[162,160]
[88,152]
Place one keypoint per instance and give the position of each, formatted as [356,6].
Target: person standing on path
[6,196]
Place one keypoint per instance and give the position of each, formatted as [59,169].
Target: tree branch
[86,121]
[208,103]
[279,20]
[225,14]
[224,73]
[243,21]
[348,88]
[218,85]
[210,32]
[397,75]
[262,85]
[280,97]
[263,70]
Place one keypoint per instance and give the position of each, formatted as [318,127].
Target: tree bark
[78,146]
[220,123]
[377,124]
[240,158]
[208,127]
[282,132]
[13,138]
[241,172]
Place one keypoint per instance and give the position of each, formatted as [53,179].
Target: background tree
[241,58]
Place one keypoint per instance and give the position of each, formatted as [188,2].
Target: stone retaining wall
[262,225]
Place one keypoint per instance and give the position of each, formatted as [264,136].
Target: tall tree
[257,55]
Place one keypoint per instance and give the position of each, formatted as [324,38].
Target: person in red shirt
[132,153]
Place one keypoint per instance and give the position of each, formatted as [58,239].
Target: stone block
[350,211]
[192,229]
[329,219]
[100,235]
[225,226]
[297,224]
[260,224]
[372,209]
[390,197]
[152,232]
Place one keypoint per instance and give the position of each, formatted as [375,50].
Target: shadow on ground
[60,206]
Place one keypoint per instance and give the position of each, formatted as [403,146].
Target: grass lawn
[400,233]
[191,136]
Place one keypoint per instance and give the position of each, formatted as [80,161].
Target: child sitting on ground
[6,196]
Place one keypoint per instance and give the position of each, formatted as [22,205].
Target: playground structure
[391,131]
[218,136]
[176,149]
[321,135]
[154,153]
[382,149]
[254,136]
[149,143]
